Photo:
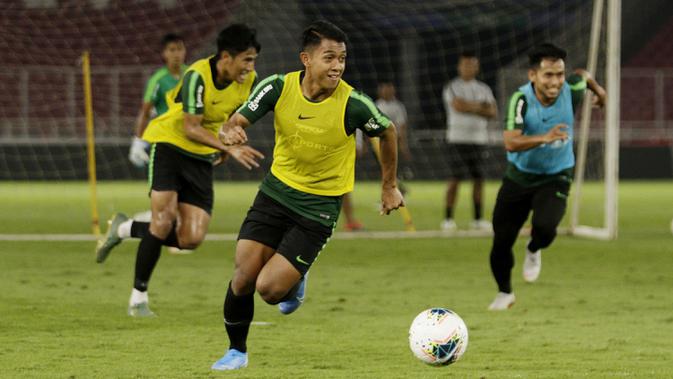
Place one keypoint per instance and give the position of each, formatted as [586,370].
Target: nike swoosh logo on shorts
[298,258]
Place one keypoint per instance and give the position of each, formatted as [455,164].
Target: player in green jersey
[185,147]
[316,114]
[173,53]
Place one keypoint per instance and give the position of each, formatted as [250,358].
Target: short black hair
[170,38]
[468,54]
[319,30]
[545,51]
[237,38]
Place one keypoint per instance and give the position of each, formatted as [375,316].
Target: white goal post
[608,231]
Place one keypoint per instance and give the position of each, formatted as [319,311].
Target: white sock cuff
[138,297]
[124,230]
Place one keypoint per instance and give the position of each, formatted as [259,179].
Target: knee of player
[268,293]
[160,228]
[190,241]
[544,229]
[164,218]
[241,284]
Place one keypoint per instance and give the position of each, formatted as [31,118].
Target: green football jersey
[159,84]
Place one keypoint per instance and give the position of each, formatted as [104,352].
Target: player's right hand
[391,199]
[245,155]
[558,132]
[138,153]
[232,135]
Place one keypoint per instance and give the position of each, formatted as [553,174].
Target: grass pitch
[599,310]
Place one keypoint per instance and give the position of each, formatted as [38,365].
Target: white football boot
[502,302]
[448,225]
[532,265]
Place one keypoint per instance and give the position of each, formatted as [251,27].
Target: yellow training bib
[313,153]
[217,105]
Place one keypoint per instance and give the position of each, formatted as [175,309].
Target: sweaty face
[548,79]
[327,62]
[468,67]
[174,53]
[238,68]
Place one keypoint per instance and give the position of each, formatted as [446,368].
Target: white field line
[383,235]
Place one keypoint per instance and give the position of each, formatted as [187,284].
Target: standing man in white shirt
[469,105]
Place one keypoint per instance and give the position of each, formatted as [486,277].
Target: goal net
[415,45]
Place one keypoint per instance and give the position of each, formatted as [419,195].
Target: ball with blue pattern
[438,337]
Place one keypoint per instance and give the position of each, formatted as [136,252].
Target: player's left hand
[138,153]
[232,135]
[599,99]
[245,155]
[391,199]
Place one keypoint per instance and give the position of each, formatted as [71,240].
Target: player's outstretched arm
[232,133]
[195,132]
[245,155]
[391,198]
[601,95]
[515,140]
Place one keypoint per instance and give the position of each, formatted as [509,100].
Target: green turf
[600,309]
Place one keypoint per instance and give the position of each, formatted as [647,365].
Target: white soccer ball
[438,337]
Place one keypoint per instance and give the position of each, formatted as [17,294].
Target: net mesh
[413,44]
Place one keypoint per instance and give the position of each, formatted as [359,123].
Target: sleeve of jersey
[403,114]
[516,110]
[491,98]
[362,113]
[192,93]
[447,95]
[578,87]
[151,89]
[263,98]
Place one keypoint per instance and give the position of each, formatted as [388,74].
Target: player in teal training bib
[538,137]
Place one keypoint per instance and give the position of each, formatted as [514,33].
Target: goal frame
[609,229]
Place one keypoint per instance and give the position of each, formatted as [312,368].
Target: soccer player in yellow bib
[185,147]
[316,114]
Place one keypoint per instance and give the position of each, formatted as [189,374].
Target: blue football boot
[289,306]
[232,360]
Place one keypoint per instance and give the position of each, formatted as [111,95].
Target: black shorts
[295,237]
[191,178]
[548,202]
[467,160]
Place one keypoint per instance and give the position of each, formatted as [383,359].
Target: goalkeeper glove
[138,153]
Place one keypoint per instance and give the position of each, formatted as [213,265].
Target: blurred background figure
[469,104]
[388,103]
[154,104]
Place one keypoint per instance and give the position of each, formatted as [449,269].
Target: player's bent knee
[272,299]
[190,241]
[269,293]
[189,245]
[545,234]
[162,223]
